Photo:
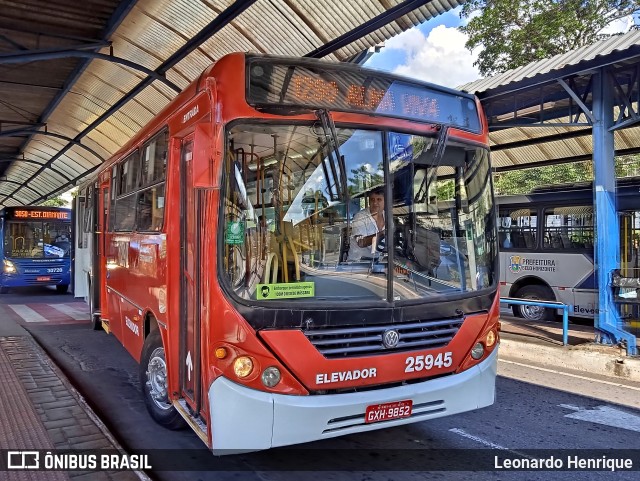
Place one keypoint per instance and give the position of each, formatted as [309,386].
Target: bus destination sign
[274,85]
[41,214]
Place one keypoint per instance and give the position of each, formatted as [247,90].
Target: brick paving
[41,410]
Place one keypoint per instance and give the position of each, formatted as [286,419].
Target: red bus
[272,249]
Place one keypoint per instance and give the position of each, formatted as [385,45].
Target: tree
[513,33]
[55,202]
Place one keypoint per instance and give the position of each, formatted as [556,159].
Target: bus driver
[367,227]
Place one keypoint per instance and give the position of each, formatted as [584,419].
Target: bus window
[568,228]
[517,228]
[128,180]
[154,159]
[150,209]
[112,205]
[125,218]
[37,239]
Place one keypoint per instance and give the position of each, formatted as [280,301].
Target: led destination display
[24,214]
[271,83]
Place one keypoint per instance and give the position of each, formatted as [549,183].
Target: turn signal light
[491,339]
[243,366]
[221,353]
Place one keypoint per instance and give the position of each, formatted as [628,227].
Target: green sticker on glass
[284,291]
[235,232]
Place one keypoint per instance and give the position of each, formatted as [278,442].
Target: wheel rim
[157,379]
[533,313]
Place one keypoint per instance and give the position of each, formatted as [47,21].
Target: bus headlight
[9,267]
[478,351]
[271,376]
[243,366]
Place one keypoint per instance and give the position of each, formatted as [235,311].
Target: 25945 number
[424,363]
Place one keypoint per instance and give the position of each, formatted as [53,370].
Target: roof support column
[607,252]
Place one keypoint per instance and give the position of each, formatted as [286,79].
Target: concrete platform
[42,411]
[540,343]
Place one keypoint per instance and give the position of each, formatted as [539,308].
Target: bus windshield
[36,240]
[293,230]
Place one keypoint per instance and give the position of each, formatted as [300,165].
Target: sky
[434,51]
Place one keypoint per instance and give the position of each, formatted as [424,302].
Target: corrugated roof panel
[65,165]
[192,66]
[574,57]
[280,17]
[105,141]
[151,100]
[155,29]
[77,160]
[108,79]
[20,171]
[135,111]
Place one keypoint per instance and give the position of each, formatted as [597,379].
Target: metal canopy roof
[79,79]
[540,113]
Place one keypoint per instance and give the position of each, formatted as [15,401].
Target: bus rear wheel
[153,380]
[535,313]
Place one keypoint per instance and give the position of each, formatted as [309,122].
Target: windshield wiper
[336,166]
[438,154]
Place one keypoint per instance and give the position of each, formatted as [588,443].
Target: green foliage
[524,181]
[513,33]
[55,202]
[361,179]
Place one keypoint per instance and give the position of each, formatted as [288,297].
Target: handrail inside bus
[551,304]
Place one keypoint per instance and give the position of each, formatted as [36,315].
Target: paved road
[526,416]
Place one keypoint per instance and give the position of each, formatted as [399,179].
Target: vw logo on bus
[390,338]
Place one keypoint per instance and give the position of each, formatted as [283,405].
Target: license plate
[387,411]
[43,278]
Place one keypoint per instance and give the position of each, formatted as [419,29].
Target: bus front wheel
[4,290]
[535,313]
[62,288]
[153,380]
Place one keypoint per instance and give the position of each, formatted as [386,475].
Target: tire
[62,288]
[153,378]
[534,313]
[4,290]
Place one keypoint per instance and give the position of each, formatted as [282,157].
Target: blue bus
[35,248]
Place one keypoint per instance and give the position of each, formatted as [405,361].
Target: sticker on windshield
[283,291]
[235,232]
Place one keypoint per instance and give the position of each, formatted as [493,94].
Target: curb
[610,361]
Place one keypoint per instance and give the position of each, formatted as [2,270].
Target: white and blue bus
[547,245]
[36,247]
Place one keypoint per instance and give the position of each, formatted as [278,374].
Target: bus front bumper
[244,419]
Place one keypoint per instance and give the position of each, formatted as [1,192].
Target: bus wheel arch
[534,290]
[153,379]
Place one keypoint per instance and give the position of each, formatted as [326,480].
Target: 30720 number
[429,361]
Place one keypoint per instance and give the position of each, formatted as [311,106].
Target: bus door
[96,250]
[189,282]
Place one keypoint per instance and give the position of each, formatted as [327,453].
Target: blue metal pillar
[607,251]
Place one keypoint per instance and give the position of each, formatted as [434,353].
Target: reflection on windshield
[290,234]
[37,240]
